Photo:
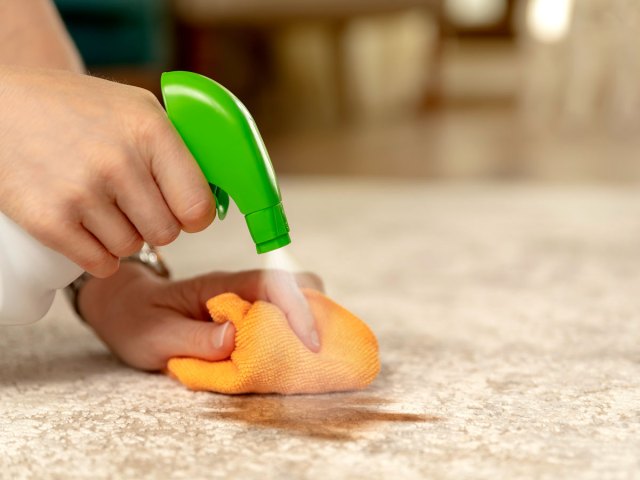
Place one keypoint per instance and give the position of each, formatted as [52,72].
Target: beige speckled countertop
[509,325]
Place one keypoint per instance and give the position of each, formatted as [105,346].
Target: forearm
[33,35]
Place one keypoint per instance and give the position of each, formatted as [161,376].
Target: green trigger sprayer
[224,139]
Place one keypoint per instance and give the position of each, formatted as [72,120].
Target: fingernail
[315,340]
[222,333]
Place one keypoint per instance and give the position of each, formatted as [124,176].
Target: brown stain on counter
[329,417]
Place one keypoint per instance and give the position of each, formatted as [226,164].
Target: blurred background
[541,90]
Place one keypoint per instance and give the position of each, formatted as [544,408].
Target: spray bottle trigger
[222,200]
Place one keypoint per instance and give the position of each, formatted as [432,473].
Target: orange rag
[269,358]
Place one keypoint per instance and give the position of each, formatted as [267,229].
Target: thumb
[180,337]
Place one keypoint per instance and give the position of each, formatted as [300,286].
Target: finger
[251,285]
[82,248]
[309,280]
[181,337]
[142,202]
[281,288]
[181,181]
[113,229]
[276,286]
[283,291]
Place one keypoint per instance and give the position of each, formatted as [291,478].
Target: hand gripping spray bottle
[220,133]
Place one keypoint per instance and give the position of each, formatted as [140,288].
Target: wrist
[107,288]
[97,292]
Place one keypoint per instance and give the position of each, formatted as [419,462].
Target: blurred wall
[545,90]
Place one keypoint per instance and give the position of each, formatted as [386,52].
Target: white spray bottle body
[30,274]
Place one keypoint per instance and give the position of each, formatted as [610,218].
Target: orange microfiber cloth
[269,358]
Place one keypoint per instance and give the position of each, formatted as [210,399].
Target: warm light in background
[549,20]
[475,13]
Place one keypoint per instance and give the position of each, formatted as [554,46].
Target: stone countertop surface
[509,326]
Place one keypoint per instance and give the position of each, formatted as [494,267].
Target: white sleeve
[30,274]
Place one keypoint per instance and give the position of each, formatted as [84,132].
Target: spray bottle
[221,135]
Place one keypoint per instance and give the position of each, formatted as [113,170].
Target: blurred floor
[506,311]
[458,142]
[507,321]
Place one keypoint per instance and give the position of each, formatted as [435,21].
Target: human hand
[145,320]
[91,168]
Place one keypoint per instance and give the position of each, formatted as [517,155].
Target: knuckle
[311,280]
[101,162]
[100,263]
[53,226]
[198,213]
[147,97]
[116,168]
[199,337]
[150,124]
[128,245]
[165,235]
[42,226]
[155,349]
[75,198]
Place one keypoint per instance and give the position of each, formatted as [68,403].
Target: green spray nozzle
[225,141]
